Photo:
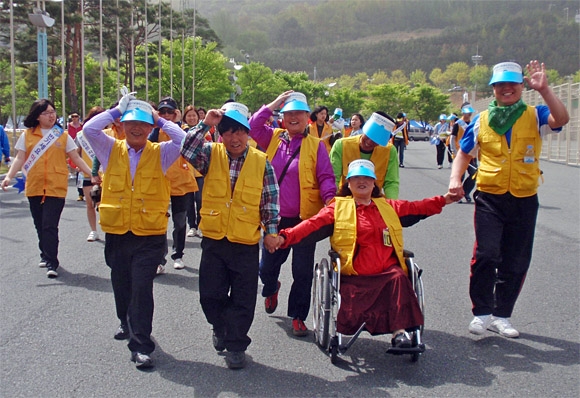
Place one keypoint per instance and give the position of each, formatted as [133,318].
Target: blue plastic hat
[338,112]
[467,109]
[295,102]
[138,111]
[361,168]
[510,72]
[238,112]
[378,128]
[452,117]
[442,116]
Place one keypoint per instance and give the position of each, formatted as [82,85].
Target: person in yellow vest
[320,128]
[240,200]
[306,182]
[87,154]
[507,139]
[41,153]
[373,144]
[133,213]
[181,177]
[366,230]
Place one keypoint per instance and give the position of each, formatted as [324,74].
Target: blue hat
[442,116]
[361,167]
[467,109]
[378,128]
[507,72]
[295,102]
[338,112]
[238,112]
[138,111]
[452,117]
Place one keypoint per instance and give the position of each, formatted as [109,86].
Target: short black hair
[229,124]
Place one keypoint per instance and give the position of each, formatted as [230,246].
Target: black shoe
[122,332]
[402,166]
[236,359]
[218,342]
[51,271]
[467,199]
[142,361]
[402,340]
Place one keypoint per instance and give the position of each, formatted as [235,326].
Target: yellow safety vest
[181,174]
[379,157]
[326,134]
[502,168]
[139,206]
[310,200]
[343,239]
[236,215]
[49,175]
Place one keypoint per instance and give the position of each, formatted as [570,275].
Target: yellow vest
[343,239]
[139,206]
[181,174]
[49,175]
[326,134]
[379,157]
[236,215]
[502,168]
[310,200]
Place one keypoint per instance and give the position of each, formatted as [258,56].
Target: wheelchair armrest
[408,254]
[333,255]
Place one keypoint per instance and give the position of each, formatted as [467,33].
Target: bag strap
[288,165]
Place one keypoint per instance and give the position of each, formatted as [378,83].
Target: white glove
[124,102]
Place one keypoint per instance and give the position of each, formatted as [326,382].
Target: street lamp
[42,20]
[476,60]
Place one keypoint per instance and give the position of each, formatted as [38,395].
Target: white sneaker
[178,264]
[504,327]
[160,269]
[42,264]
[191,233]
[93,236]
[198,233]
[479,324]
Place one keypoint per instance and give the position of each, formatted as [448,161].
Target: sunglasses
[166,111]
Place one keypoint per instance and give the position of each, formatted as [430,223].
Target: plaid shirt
[197,151]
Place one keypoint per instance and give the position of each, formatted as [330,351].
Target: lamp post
[42,20]
[476,60]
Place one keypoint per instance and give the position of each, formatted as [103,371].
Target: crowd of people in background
[247,184]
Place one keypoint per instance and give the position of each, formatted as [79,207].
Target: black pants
[302,269]
[504,233]
[46,216]
[399,143]
[228,284]
[469,181]
[441,149]
[193,214]
[133,261]
[179,206]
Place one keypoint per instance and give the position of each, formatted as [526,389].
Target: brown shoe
[271,302]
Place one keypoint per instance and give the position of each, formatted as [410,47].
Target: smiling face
[191,118]
[296,122]
[507,93]
[366,144]
[47,118]
[361,188]
[235,142]
[136,133]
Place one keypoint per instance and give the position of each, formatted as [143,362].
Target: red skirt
[386,302]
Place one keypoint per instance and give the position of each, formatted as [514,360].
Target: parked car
[418,134]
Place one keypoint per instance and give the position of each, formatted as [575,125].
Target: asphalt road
[56,336]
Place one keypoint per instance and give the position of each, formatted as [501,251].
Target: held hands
[124,101]
[273,243]
[453,196]
[537,79]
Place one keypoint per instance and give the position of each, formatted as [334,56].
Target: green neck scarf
[502,118]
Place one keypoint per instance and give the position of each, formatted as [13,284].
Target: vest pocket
[527,178]
[490,144]
[150,183]
[115,182]
[210,221]
[111,215]
[487,177]
[251,195]
[153,219]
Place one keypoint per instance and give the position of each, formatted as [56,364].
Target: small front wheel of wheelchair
[333,353]
[415,357]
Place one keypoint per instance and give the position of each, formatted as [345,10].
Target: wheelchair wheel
[321,303]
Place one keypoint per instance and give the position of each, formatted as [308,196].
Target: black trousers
[193,214]
[468,180]
[133,261]
[179,207]
[46,216]
[399,143]
[228,285]
[441,148]
[504,233]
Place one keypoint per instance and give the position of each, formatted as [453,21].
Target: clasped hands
[273,242]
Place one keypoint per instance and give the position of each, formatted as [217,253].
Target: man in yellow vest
[373,144]
[133,213]
[240,200]
[183,186]
[507,138]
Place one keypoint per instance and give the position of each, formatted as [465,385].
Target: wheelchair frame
[326,303]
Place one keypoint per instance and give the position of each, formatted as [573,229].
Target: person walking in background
[320,128]
[451,120]
[183,185]
[4,146]
[306,184]
[372,145]
[456,135]
[190,120]
[438,138]
[240,200]
[400,137]
[74,126]
[41,153]
[357,121]
[133,213]
[507,138]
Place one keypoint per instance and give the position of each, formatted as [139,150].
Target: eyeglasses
[48,113]
[166,111]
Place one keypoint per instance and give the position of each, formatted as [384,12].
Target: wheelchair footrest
[402,351]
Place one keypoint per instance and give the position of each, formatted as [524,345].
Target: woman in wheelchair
[365,230]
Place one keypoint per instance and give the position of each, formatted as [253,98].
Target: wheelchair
[326,302]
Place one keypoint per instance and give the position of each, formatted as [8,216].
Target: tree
[259,85]
[427,102]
